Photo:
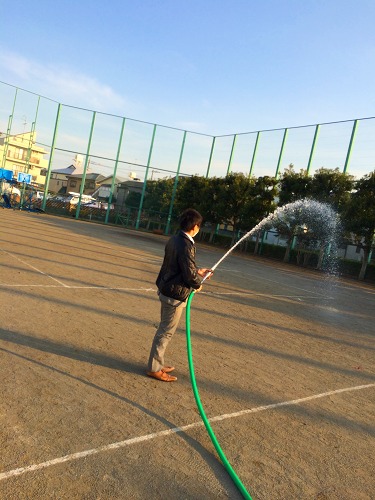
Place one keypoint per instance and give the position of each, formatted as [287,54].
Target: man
[177,277]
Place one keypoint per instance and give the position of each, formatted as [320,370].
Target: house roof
[131,183]
[89,176]
[67,171]
[117,179]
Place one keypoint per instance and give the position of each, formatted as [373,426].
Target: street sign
[22,177]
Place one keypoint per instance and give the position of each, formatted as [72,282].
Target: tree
[158,195]
[331,186]
[359,218]
[133,199]
[261,203]
[191,193]
[232,195]
[294,185]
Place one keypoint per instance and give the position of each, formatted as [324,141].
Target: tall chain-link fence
[84,163]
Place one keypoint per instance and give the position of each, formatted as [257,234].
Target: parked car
[39,195]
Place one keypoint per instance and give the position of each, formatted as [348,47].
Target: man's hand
[205,273]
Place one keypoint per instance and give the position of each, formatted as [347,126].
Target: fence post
[31,140]
[231,153]
[6,142]
[281,153]
[254,154]
[352,137]
[175,185]
[317,128]
[262,241]
[211,154]
[51,156]
[82,188]
[145,179]
[115,172]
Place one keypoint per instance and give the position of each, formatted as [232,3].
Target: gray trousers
[170,315]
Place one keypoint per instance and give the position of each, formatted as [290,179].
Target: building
[20,153]
[104,190]
[58,181]
[92,182]
[127,187]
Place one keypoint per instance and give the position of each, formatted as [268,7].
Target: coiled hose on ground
[220,452]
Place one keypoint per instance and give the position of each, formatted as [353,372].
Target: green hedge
[353,267]
[223,240]
[304,258]
[272,251]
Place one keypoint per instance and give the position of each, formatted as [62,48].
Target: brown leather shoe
[167,369]
[162,375]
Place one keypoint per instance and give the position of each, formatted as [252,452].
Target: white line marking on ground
[212,294]
[80,287]
[35,268]
[268,279]
[290,403]
[154,435]
[268,295]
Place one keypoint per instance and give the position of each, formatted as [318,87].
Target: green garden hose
[220,452]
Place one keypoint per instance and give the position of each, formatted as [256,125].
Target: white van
[73,198]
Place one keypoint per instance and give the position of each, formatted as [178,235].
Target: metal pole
[208,169]
[6,141]
[115,172]
[175,185]
[231,153]
[8,130]
[352,137]
[28,156]
[145,179]
[29,149]
[317,129]
[86,165]
[254,154]
[31,140]
[369,257]
[211,154]
[48,176]
[262,242]
[281,153]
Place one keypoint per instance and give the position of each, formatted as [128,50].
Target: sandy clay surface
[283,356]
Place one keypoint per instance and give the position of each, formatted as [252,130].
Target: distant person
[6,200]
[13,194]
[177,277]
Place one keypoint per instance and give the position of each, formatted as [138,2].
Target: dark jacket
[178,273]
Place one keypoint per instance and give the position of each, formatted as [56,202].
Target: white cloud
[60,83]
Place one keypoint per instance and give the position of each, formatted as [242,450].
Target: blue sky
[216,67]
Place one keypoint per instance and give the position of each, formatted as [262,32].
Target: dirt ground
[284,362]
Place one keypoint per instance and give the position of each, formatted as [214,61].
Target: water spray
[306,212]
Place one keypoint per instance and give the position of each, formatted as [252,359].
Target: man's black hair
[189,218]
